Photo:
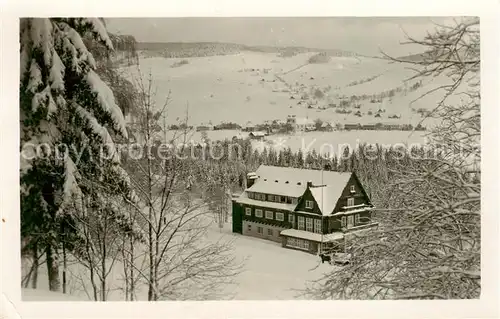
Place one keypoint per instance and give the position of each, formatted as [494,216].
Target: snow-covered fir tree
[69,120]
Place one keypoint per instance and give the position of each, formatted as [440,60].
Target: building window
[269,214]
[309,204]
[350,221]
[343,223]
[258,213]
[353,190]
[249,227]
[260,230]
[309,224]
[350,202]
[289,200]
[248,211]
[356,219]
[280,216]
[294,201]
[250,195]
[305,244]
[317,226]
[297,243]
[300,222]
[270,198]
[283,199]
[291,218]
[269,232]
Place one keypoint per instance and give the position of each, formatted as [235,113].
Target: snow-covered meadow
[269,272]
[244,87]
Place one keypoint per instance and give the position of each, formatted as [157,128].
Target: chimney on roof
[251,178]
[309,184]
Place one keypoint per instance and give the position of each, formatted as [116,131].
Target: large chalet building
[304,209]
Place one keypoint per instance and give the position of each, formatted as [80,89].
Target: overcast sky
[364,35]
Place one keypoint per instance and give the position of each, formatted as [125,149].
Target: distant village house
[257,135]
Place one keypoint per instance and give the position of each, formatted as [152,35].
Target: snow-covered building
[301,124]
[257,135]
[204,127]
[328,126]
[303,209]
[248,127]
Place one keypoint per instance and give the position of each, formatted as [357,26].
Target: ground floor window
[297,243]
[260,230]
[309,224]
[269,231]
[300,223]
[317,226]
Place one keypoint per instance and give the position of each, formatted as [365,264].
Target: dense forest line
[202,49]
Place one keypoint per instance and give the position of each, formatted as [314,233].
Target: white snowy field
[269,272]
[321,142]
[243,87]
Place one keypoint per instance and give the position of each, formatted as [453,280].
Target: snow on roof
[267,186]
[294,175]
[354,211]
[326,196]
[243,199]
[259,133]
[312,236]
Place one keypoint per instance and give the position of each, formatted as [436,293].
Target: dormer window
[353,190]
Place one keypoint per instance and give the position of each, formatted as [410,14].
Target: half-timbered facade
[303,209]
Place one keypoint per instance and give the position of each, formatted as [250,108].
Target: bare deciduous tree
[428,244]
[183,262]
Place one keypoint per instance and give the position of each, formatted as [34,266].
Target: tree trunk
[151,258]
[65,267]
[53,268]
[132,279]
[34,267]
[103,260]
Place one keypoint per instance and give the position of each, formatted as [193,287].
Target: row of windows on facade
[303,223]
[297,243]
[273,198]
[289,200]
[308,224]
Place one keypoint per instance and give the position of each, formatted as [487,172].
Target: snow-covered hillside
[269,272]
[225,88]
